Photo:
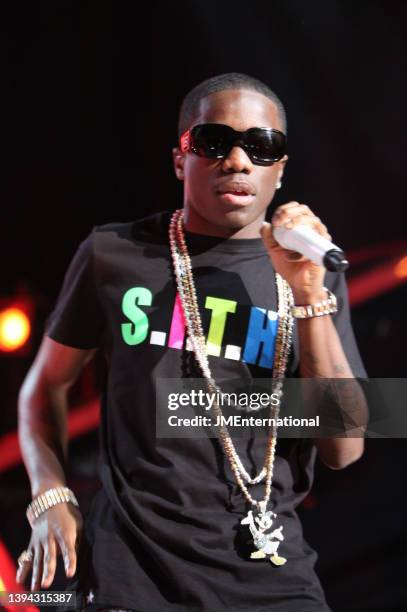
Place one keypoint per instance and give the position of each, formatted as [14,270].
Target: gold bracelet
[325,307]
[51,497]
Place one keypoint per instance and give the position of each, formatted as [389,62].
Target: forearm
[321,352]
[322,356]
[43,436]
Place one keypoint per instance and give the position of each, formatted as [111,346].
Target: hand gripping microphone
[309,243]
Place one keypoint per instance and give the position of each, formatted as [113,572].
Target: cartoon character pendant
[266,543]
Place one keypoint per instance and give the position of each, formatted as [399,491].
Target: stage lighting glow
[400,269]
[15,329]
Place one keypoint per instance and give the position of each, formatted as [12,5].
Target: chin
[237,218]
[226,216]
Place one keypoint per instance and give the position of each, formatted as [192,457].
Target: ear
[179,161]
[281,167]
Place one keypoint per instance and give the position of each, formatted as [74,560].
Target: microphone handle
[309,243]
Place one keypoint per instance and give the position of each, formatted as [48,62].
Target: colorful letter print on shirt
[261,327]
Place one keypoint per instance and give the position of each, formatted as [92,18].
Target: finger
[67,545]
[313,222]
[280,217]
[292,206]
[266,232]
[50,562]
[37,568]
[24,569]
[294,256]
[283,213]
[287,206]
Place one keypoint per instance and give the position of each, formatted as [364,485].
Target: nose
[237,161]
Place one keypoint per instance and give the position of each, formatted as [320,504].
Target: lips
[236,188]
[235,192]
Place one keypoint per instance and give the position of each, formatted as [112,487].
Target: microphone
[309,243]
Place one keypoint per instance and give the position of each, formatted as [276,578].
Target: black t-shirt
[161,534]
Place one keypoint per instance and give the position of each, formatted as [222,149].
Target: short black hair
[229,80]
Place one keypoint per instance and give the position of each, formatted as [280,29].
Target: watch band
[46,500]
[325,307]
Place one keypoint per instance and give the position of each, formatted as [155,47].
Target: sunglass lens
[265,146]
[211,140]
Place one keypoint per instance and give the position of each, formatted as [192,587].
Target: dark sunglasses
[263,145]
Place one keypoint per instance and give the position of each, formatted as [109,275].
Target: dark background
[91,93]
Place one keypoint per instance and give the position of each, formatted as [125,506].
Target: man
[162,532]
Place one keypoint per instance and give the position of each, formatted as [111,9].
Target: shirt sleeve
[336,282]
[77,318]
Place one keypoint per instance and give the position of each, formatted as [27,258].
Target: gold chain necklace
[266,542]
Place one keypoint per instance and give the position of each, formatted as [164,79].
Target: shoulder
[150,229]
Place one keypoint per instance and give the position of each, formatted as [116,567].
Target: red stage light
[15,329]
[400,269]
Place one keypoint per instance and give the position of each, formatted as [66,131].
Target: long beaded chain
[186,290]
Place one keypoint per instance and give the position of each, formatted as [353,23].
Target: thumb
[266,233]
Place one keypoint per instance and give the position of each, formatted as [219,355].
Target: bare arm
[321,352]
[42,431]
[322,356]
